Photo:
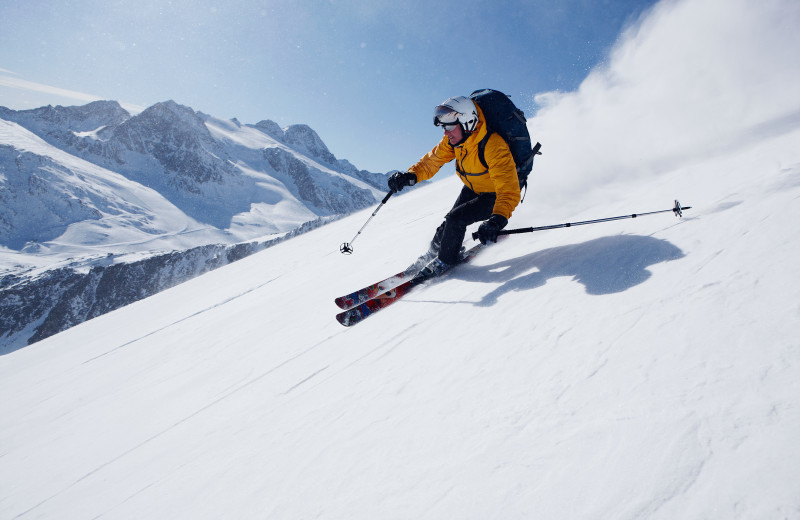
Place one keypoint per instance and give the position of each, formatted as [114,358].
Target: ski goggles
[445,117]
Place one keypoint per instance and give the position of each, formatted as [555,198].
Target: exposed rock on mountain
[183,191]
[198,163]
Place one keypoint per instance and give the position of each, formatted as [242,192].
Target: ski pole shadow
[604,265]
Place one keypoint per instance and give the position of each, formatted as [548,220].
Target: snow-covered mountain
[90,191]
[642,369]
[231,182]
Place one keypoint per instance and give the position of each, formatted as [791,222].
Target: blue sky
[364,74]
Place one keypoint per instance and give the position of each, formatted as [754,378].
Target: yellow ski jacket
[500,178]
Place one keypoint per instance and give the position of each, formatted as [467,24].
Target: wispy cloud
[7,81]
[22,84]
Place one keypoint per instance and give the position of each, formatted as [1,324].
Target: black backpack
[505,119]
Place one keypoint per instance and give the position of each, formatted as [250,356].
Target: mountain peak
[271,128]
[83,118]
[304,138]
[173,114]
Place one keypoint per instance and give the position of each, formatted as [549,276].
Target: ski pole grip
[386,198]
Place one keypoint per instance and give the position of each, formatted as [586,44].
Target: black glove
[400,180]
[487,232]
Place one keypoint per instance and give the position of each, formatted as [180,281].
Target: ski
[348,301]
[367,308]
[358,313]
[369,292]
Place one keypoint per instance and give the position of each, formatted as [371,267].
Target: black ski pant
[468,209]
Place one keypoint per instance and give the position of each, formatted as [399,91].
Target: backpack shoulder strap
[482,149]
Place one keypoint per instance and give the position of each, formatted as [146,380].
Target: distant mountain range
[90,188]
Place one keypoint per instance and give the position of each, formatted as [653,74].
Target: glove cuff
[499,220]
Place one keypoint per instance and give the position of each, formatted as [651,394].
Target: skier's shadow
[604,266]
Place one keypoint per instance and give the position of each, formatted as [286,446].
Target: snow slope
[641,369]
[646,368]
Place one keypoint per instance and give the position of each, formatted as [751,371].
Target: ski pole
[677,209]
[347,247]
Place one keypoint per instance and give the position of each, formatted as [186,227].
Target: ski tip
[348,318]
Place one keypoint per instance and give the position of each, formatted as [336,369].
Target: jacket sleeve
[503,173]
[427,167]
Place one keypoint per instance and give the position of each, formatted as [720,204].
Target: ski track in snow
[189,417]
[198,313]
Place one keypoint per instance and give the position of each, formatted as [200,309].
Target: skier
[488,194]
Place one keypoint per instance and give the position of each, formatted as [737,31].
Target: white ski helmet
[457,109]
